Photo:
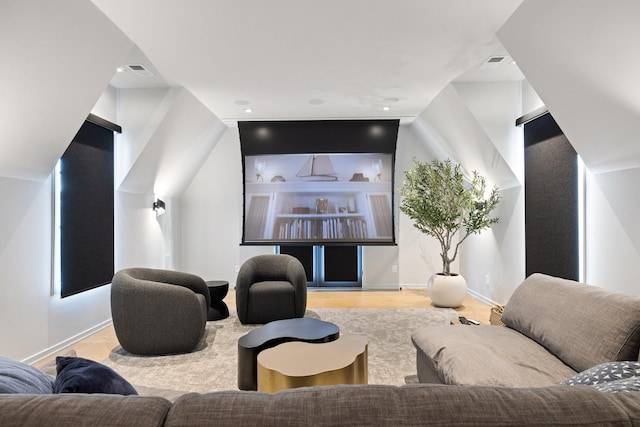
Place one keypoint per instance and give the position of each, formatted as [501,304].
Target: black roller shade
[318,136]
[87,211]
[341,263]
[551,200]
[304,254]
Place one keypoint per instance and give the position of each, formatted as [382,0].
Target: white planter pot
[447,291]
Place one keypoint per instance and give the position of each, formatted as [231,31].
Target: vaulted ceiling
[291,59]
[583,60]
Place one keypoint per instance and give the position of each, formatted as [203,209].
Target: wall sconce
[159,207]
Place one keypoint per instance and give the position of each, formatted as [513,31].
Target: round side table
[218,289]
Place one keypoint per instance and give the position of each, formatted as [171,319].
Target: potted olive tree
[440,203]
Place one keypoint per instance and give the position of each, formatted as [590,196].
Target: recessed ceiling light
[241,102]
[120,70]
[248,110]
[386,108]
[316,101]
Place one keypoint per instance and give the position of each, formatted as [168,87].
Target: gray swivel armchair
[271,287]
[158,311]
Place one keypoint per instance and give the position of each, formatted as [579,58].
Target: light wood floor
[99,345]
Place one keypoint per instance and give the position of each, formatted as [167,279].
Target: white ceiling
[293,59]
[582,58]
[56,58]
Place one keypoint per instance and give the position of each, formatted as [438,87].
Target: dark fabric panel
[304,254]
[318,136]
[341,263]
[551,200]
[541,129]
[86,210]
[339,266]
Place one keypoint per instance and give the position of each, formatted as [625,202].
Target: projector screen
[296,196]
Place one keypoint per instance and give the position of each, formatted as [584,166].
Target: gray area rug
[213,365]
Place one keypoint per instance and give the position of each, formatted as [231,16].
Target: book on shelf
[326,229]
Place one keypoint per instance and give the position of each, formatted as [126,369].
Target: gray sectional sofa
[368,405]
[555,328]
[503,376]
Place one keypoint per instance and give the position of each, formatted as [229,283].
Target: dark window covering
[551,200]
[305,255]
[328,266]
[87,210]
[341,263]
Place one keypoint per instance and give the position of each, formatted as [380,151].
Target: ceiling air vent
[492,62]
[140,70]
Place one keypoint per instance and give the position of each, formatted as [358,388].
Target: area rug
[213,365]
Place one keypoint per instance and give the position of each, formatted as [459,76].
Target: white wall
[495,106]
[474,124]
[63,57]
[107,105]
[27,306]
[142,239]
[576,55]
[530,99]
[612,230]
[212,224]
[58,58]
[139,236]
[25,262]
[493,262]
[418,253]
[139,113]
[34,322]
[596,105]
[212,213]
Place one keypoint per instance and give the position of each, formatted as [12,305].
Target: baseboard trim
[34,358]
[414,286]
[471,292]
[482,298]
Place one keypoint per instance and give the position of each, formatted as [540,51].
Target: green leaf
[440,203]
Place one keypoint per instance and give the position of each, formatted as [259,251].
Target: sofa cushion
[412,405]
[488,355]
[94,410]
[78,375]
[18,377]
[581,324]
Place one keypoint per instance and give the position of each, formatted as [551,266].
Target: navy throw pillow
[78,375]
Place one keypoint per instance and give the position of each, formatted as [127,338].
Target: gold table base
[300,364]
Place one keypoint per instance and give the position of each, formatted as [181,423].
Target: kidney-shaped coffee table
[301,364]
[274,333]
